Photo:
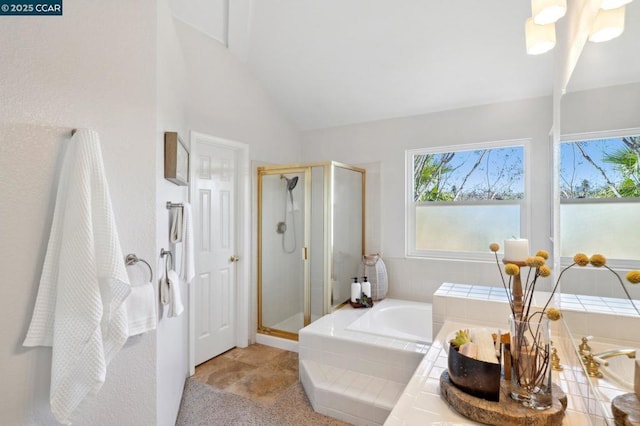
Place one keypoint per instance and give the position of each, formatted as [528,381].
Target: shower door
[283,242]
[310,242]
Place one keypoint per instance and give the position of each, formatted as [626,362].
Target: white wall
[597,110]
[173,334]
[93,67]
[225,100]
[130,74]
[382,144]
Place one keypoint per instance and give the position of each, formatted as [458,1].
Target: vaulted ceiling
[334,62]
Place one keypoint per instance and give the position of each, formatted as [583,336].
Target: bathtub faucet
[630,353]
[593,361]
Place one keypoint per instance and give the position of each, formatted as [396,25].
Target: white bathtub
[355,363]
[397,319]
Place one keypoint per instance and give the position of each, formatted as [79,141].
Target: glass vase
[531,363]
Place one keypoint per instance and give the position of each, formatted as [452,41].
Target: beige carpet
[204,405]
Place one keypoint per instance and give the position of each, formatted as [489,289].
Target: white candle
[516,249]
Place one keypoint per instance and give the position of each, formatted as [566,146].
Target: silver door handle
[234,258]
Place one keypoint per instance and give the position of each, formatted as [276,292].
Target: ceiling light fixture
[608,25]
[548,11]
[539,38]
[613,4]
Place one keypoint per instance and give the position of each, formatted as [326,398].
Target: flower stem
[504,284]
[624,288]
[556,286]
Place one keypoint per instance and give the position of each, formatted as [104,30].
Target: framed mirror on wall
[176,159]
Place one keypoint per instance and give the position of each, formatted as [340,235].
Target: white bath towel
[79,309]
[188,267]
[141,309]
[177,226]
[175,298]
[165,295]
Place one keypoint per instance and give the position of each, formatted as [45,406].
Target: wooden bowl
[478,378]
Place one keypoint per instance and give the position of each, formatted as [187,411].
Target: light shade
[548,11]
[608,24]
[539,38]
[613,4]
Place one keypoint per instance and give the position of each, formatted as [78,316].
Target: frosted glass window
[607,228]
[465,228]
[462,198]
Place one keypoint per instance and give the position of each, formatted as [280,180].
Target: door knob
[234,258]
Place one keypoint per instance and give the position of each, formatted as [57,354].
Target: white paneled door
[213,198]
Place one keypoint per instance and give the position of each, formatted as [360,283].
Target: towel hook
[164,253]
[132,259]
[171,205]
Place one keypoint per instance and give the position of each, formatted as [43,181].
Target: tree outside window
[485,174]
[599,194]
[463,197]
[601,168]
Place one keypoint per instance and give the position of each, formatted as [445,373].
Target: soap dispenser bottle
[366,287]
[356,290]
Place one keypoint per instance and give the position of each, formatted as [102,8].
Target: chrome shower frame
[328,304]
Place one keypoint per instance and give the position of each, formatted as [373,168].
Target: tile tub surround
[421,403]
[583,315]
[608,319]
[354,376]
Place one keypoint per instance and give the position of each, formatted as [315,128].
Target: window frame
[410,205]
[614,263]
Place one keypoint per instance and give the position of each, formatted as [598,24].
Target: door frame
[243,240]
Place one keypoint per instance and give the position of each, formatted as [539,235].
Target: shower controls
[281,228]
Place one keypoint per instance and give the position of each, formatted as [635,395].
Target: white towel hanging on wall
[175,234]
[188,267]
[175,297]
[79,309]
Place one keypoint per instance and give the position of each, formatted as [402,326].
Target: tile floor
[258,372]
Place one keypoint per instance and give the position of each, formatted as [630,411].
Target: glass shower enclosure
[310,242]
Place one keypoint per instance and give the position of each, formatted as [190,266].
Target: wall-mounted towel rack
[132,259]
[171,205]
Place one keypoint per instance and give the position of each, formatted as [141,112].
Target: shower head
[291,183]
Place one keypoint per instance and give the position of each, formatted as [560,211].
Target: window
[461,198]
[599,196]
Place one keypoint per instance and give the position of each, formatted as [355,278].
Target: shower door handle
[234,258]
